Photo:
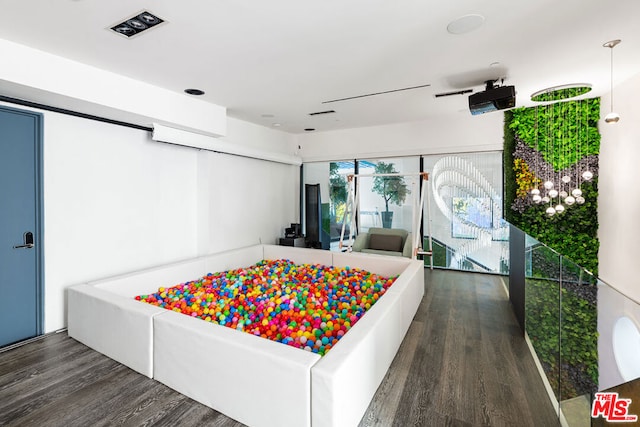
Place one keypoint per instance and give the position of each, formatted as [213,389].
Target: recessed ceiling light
[465,24]
[277,125]
[136,24]
[149,18]
[196,92]
[309,129]
[125,30]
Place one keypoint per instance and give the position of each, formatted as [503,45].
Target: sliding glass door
[334,190]
[387,201]
[465,194]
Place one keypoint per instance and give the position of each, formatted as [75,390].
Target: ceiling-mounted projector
[492,99]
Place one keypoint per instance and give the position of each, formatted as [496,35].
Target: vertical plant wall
[550,142]
[544,144]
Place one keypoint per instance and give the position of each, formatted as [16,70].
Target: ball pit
[259,382]
[307,306]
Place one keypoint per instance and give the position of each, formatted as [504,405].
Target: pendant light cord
[611,74]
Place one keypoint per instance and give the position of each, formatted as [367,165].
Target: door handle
[26,245]
[28,241]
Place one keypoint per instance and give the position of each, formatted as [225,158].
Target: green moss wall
[554,140]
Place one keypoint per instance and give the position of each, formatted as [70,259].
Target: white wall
[450,134]
[619,199]
[619,223]
[259,137]
[116,201]
[611,306]
[318,173]
[244,201]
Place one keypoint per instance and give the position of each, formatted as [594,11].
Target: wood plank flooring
[462,363]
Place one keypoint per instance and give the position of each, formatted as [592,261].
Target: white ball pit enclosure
[256,381]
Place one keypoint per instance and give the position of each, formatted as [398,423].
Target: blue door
[20,225]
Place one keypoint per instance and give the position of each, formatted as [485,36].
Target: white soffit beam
[171,135]
[60,82]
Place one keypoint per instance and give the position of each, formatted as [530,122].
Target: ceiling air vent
[137,24]
[318,113]
[455,92]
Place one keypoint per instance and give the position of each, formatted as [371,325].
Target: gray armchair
[384,241]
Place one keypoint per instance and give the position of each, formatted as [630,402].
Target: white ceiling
[283,58]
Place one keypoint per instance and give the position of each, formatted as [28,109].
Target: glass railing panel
[529,244]
[578,342]
[441,254]
[542,309]
[454,258]
[579,338]
[585,333]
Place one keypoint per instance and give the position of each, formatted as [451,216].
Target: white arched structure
[455,177]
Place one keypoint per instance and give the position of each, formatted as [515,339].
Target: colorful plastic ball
[305,306]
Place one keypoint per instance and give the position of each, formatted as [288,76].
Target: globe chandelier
[561,189]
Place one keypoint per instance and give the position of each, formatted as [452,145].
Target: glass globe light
[553,193]
[551,211]
[580,200]
[548,185]
[559,208]
[545,199]
[537,198]
[566,179]
[587,175]
[563,194]
[576,192]
[569,200]
[535,192]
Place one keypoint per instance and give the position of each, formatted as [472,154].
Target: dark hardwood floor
[462,363]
